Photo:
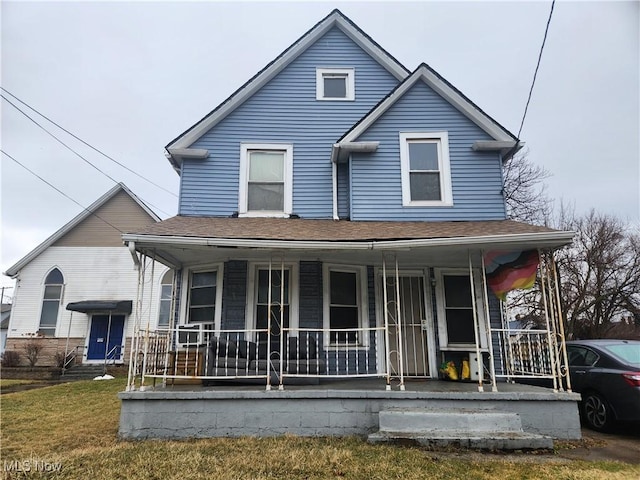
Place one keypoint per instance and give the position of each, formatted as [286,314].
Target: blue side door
[99,344]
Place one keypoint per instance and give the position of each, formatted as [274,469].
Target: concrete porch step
[478,429]
[83,372]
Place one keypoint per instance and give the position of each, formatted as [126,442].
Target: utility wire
[535,74]
[58,190]
[71,149]
[86,143]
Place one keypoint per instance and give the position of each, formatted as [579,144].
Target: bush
[32,351]
[10,358]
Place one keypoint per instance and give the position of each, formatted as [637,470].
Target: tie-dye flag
[508,271]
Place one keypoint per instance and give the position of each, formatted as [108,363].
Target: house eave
[340,151]
[540,240]
[177,155]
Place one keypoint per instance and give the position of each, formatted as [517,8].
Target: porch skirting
[325,411]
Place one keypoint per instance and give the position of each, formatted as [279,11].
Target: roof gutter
[177,155]
[545,239]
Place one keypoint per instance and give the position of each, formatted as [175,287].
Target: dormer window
[335,84]
[265,180]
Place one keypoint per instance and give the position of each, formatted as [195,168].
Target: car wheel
[597,412]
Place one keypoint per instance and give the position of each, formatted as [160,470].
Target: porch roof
[180,240]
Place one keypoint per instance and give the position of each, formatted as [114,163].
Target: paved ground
[622,445]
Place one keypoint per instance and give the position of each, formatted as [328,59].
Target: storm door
[412,320]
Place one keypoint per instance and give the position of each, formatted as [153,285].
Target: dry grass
[10,382]
[76,424]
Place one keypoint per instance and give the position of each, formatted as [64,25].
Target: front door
[105,334]
[412,322]
[276,315]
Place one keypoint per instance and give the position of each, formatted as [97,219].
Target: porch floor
[359,384]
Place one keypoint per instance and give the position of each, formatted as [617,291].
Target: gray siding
[376,192]
[286,111]
[234,295]
[310,301]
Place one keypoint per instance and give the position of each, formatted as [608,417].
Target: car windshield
[627,352]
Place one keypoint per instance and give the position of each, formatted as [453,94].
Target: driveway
[623,445]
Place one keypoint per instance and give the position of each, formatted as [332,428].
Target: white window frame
[441,139]
[243,191]
[252,294]
[442,314]
[160,300]
[348,73]
[60,300]
[362,298]
[186,289]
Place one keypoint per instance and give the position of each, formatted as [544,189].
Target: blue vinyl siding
[376,186]
[286,111]
[310,298]
[343,190]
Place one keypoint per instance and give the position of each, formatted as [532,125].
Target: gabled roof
[504,139]
[335,19]
[120,187]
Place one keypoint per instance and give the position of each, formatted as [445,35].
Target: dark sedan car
[607,375]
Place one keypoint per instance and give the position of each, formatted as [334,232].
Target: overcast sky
[128,77]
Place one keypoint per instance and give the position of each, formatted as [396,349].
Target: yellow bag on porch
[449,370]
[466,371]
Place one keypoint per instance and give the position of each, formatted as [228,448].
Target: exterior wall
[90,273]
[344,182]
[121,211]
[313,413]
[50,347]
[376,186]
[286,111]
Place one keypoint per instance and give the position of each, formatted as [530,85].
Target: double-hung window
[335,84]
[265,179]
[426,175]
[455,310]
[345,303]
[203,300]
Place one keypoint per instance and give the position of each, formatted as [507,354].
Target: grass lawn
[76,425]
[10,382]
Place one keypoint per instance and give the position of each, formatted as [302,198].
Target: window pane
[52,292]
[54,277]
[343,288]
[165,293]
[425,186]
[460,326]
[203,296]
[201,279]
[457,291]
[49,316]
[423,156]
[263,196]
[266,166]
[202,314]
[165,312]
[343,318]
[335,86]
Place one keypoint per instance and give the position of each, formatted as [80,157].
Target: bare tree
[600,273]
[524,190]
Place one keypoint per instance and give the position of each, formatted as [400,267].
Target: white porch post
[399,326]
[476,325]
[556,278]
[134,338]
[492,367]
[386,321]
[551,347]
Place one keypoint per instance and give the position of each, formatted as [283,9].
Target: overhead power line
[535,74]
[71,149]
[87,144]
[59,191]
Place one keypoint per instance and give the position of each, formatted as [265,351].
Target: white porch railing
[208,355]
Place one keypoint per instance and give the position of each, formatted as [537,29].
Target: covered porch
[382,308]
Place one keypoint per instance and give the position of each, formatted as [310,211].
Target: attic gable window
[265,180]
[335,84]
[425,169]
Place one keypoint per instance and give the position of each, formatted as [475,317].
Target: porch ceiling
[192,240]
